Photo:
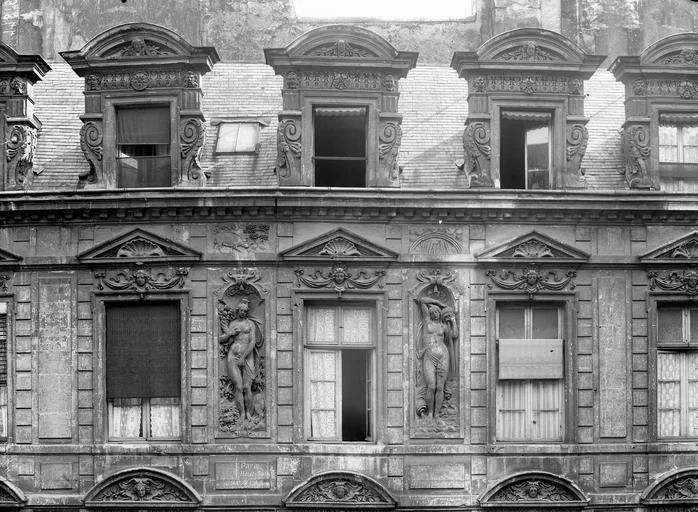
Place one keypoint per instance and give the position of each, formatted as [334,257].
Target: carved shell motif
[532,249]
[340,247]
[139,248]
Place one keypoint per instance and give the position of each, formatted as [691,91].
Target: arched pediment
[343,489]
[531,46]
[10,495]
[533,489]
[676,50]
[141,488]
[679,487]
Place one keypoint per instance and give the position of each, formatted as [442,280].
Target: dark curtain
[145,125]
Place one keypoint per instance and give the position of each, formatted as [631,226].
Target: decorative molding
[636,150]
[674,491]
[340,489]
[140,79]
[436,243]
[532,249]
[479,84]
[389,139]
[687,89]
[531,281]
[533,246]
[341,48]
[528,52]
[138,245]
[359,80]
[640,87]
[139,47]
[241,238]
[532,490]
[142,488]
[577,87]
[528,85]
[192,133]
[288,142]
[686,282]
[476,142]
[9,259]
[11,496]
[338,243]
[19,153]
[91,144]
[340,279]
[141,281]
[511,82]
[577,138]
[681,250]
[686,56]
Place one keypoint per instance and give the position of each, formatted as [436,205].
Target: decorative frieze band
[340,279]
[681,88]
[340,80]
[141,281]
[526,83]
[531,280]
[685,282]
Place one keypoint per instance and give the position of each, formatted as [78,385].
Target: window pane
[545,322]
[511,322]
[670,325]
[322,323]
[689,136]
[547,410]
[356,325]
[511,410]
[322,395]
[125,418]
[354,395]
[164,417]
[668,394]
[692,393]
[3,411]
[537,157]
[668,135]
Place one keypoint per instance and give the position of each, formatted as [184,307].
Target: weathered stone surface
[613,474]
[437,476]
[243,475]
[56,475]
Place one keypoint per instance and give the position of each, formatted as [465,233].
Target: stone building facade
[491,306]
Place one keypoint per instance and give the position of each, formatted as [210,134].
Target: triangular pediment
[8,259]
[138,245]
[533,247]
[681,250]
[339,244]
[11,496]
[532,490]
[142,488]
[340,489]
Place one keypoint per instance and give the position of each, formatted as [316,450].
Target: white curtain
[322,325]
[125,418]
[3,411]
[323,374]
[356,325]
[669,394]
[529,410]
[164,418]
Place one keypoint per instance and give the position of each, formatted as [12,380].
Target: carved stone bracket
[19,152]
[288,140]
[340,279]
[476,142]
[142,281]
[686,282]
[91,138]
[636,149]
[389,139]
[192,133]
[577,138]
[531,281]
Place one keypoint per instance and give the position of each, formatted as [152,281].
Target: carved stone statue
[436,356]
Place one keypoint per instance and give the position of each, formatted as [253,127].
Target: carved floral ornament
[684,282]
[289,147]
[677,488]
[636,151]
[340,279]
[340,489]
[389,139]
[192,134]
[528,52]
[341,48]
[686,56]
[19,152]
[534,489]
[141,280]
[531,280]
[478,152]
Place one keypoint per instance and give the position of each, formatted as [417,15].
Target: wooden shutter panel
[143,350]
[3,349]
[530,359]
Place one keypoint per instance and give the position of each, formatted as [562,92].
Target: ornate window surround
[533,490]
[141,63]
[679,501]
[339,65]
[662,79]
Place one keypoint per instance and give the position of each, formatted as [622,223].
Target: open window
[143,370]
[340,146]
[339,372]
[525,150]
[530,372]
[143,146]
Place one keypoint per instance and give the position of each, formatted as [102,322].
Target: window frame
[9,300]
[378,302]
[100,300]
[655,300]
[220,123]
[668,170]
[566,301]
[111,104]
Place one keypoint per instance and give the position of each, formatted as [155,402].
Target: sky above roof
[398,10]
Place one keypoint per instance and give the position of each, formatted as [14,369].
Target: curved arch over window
[677,488]
[340,489]
[11,496]
[534,489]
[142,487]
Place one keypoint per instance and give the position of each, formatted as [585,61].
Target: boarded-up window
[3,369]
[677,371]
[530,372]
[143,354]
[339,372]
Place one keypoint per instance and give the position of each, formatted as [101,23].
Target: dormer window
[526,162]
[340,146]
[143,147]
[340,126]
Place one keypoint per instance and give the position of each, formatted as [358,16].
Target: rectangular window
[238,138]
[339,372]
[143,371]
[530,373]
[143,147]
[340,146]
[3,369]
[525,150]
[678,143]
[677,371]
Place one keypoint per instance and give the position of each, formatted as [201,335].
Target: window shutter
[143,350]
[530,359]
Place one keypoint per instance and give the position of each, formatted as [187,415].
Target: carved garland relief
[686,282]
[533,490]
[141,281]
[340,279]
[531,280]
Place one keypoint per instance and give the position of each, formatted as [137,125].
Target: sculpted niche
[242,393]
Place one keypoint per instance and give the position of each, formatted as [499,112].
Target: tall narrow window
[340,146]
[143,370]
[3,369]
[530,380]
[525,150]
[339,376]
[677,371]
[143,147]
